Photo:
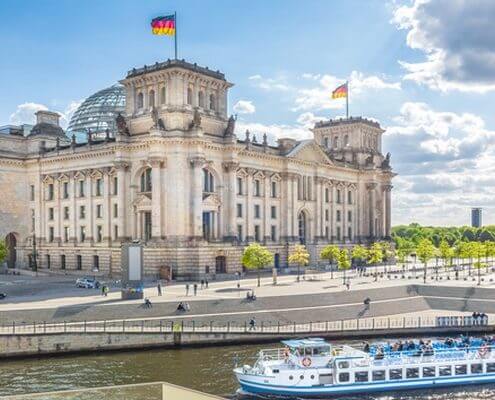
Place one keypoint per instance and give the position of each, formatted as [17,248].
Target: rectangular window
[31,188]
[62,261]
[490,367]
[33,220]
[338,216]
[99,236]
[461,369]
[48,261]
[344,377]
[257,233]
[395,374]
[66,190]
[115,231]
[99,211]
[326,232]
[274,212]
[476,368]
[81,188]
[339,234]
[338,196]
[412,373]
[349,197]
[274,189]
[99,187]
[378,375]
[82,231]
[50,234]
[257,190]
[349,216]
[115,186]
[50,214]
[82,212]
[361,376]
[326,215]
[96,263]
[239,210]
[79,262]
[327,195]
[50,191]
[349,232]
[66,234]
[239,186]
[445,370]
[256,211]
[429,372]
[273,233]
[66,212]
[239,233]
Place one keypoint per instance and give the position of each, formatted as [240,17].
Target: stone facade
[178,179]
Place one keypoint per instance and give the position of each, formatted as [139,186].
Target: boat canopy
[312,346]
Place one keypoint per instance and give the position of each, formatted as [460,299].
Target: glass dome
[98,112]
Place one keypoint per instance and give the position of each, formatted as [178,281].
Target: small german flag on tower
[340,92]
[163,25]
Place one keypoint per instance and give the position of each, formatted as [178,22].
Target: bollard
[123,325]
[194,326]
[142,325]
[44,326]
[161,326]
[13,327]
[104,325]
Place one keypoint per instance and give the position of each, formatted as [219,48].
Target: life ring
[483,351]
[306,362]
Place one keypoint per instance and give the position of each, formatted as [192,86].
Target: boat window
[276,371]
[290,377]
[445,370]
[490,367]
[344,364]
[326,379]
[301,377]
[395,374]
[379,375]
[308,351]
[321,351]
[476,368]
[412,373]
[428,372]
[312,377]
[344,377]
[361,376]
[461,369]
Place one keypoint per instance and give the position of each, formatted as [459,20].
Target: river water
[206,369]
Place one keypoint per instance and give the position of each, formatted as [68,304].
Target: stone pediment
[211,202]
[308,150]
[142,201]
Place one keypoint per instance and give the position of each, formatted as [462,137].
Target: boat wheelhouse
[313,367]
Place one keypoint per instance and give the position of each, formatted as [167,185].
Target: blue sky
[424,69]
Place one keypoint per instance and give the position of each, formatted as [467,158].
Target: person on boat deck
[366,347]
[379,353]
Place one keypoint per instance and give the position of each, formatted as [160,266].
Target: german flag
[163,25]
[340,92]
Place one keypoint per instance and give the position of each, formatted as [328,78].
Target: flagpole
[175,36]
[347,100]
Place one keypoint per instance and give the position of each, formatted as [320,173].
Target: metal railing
[166,325]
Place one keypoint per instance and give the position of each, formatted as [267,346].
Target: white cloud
[25,113]
[244,107]
[270,84]
[320,97]
[457,39]
[273,131]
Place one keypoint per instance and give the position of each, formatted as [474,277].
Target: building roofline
[345,121]
[175,64]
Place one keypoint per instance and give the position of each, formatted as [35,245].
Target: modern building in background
[476,217]
[176,177]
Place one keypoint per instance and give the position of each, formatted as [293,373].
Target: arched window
[151,99]
[189,96]
[346,140]
[212,102]
[146,180]
[335,142]
[349,197]
[301,219]
[325,142]
[163,94]
[208,181]
[140,100]
[201,99]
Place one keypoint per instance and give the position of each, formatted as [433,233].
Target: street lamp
[35,255]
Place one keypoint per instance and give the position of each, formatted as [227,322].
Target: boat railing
[273,354]
[437,355]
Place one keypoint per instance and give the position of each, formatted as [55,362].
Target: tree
[446,253]
[300,256]
[330,253]
[478,251]
[343,262]
[375,256]
[489,251]
[359,253]
[256,257]
[425,251]
[3,251]
[404,248]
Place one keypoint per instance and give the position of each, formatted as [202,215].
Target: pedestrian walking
[206,283]
[202,283]
[105,290]
[252,324]
[195,288]
[187,289]
[159,288]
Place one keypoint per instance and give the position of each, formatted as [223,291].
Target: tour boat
[315,368]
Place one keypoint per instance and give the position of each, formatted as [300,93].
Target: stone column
[230,211]
[121,168]
[295,225]
[107,209]
[318,211]
[89,209]
[345,222]
[249,205]
[333,217]
[57,211]
[371,187]
[73,225]
[285,207]
[267,215]
[197,193]
[388,209]
[156,198]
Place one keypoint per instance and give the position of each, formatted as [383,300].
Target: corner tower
[171,92]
